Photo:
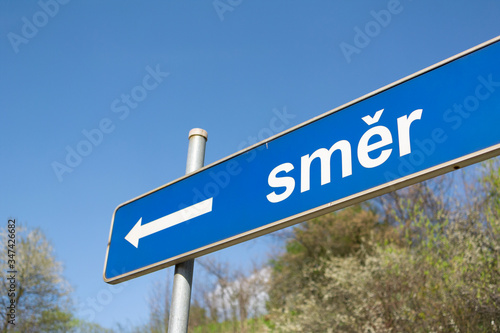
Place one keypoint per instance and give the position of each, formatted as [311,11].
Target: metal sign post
[183,278]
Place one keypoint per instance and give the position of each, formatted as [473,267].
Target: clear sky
[142,74]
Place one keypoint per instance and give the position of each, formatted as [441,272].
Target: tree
[340,234]
[422,261]
[37,287]
[224,300]
[159,307]
[235,295]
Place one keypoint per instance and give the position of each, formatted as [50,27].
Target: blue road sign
[432,122]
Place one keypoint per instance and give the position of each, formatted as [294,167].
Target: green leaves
[41,294]
[427,260]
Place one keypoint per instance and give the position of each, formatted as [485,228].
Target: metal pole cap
[198,131]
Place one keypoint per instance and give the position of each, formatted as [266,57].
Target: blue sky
[227,66]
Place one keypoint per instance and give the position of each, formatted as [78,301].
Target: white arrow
[139,231]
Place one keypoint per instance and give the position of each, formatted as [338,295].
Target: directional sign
[437,120]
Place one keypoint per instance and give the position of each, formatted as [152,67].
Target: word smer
[276,178]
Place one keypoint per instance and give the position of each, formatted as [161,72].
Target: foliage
[420,265]
[227,300]
[81,326]
[231,300]
[339,234]
[41,293]
[253,325]
[159,305]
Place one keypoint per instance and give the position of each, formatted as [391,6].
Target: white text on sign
[364,148]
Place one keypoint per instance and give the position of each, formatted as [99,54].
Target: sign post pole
[183,278]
